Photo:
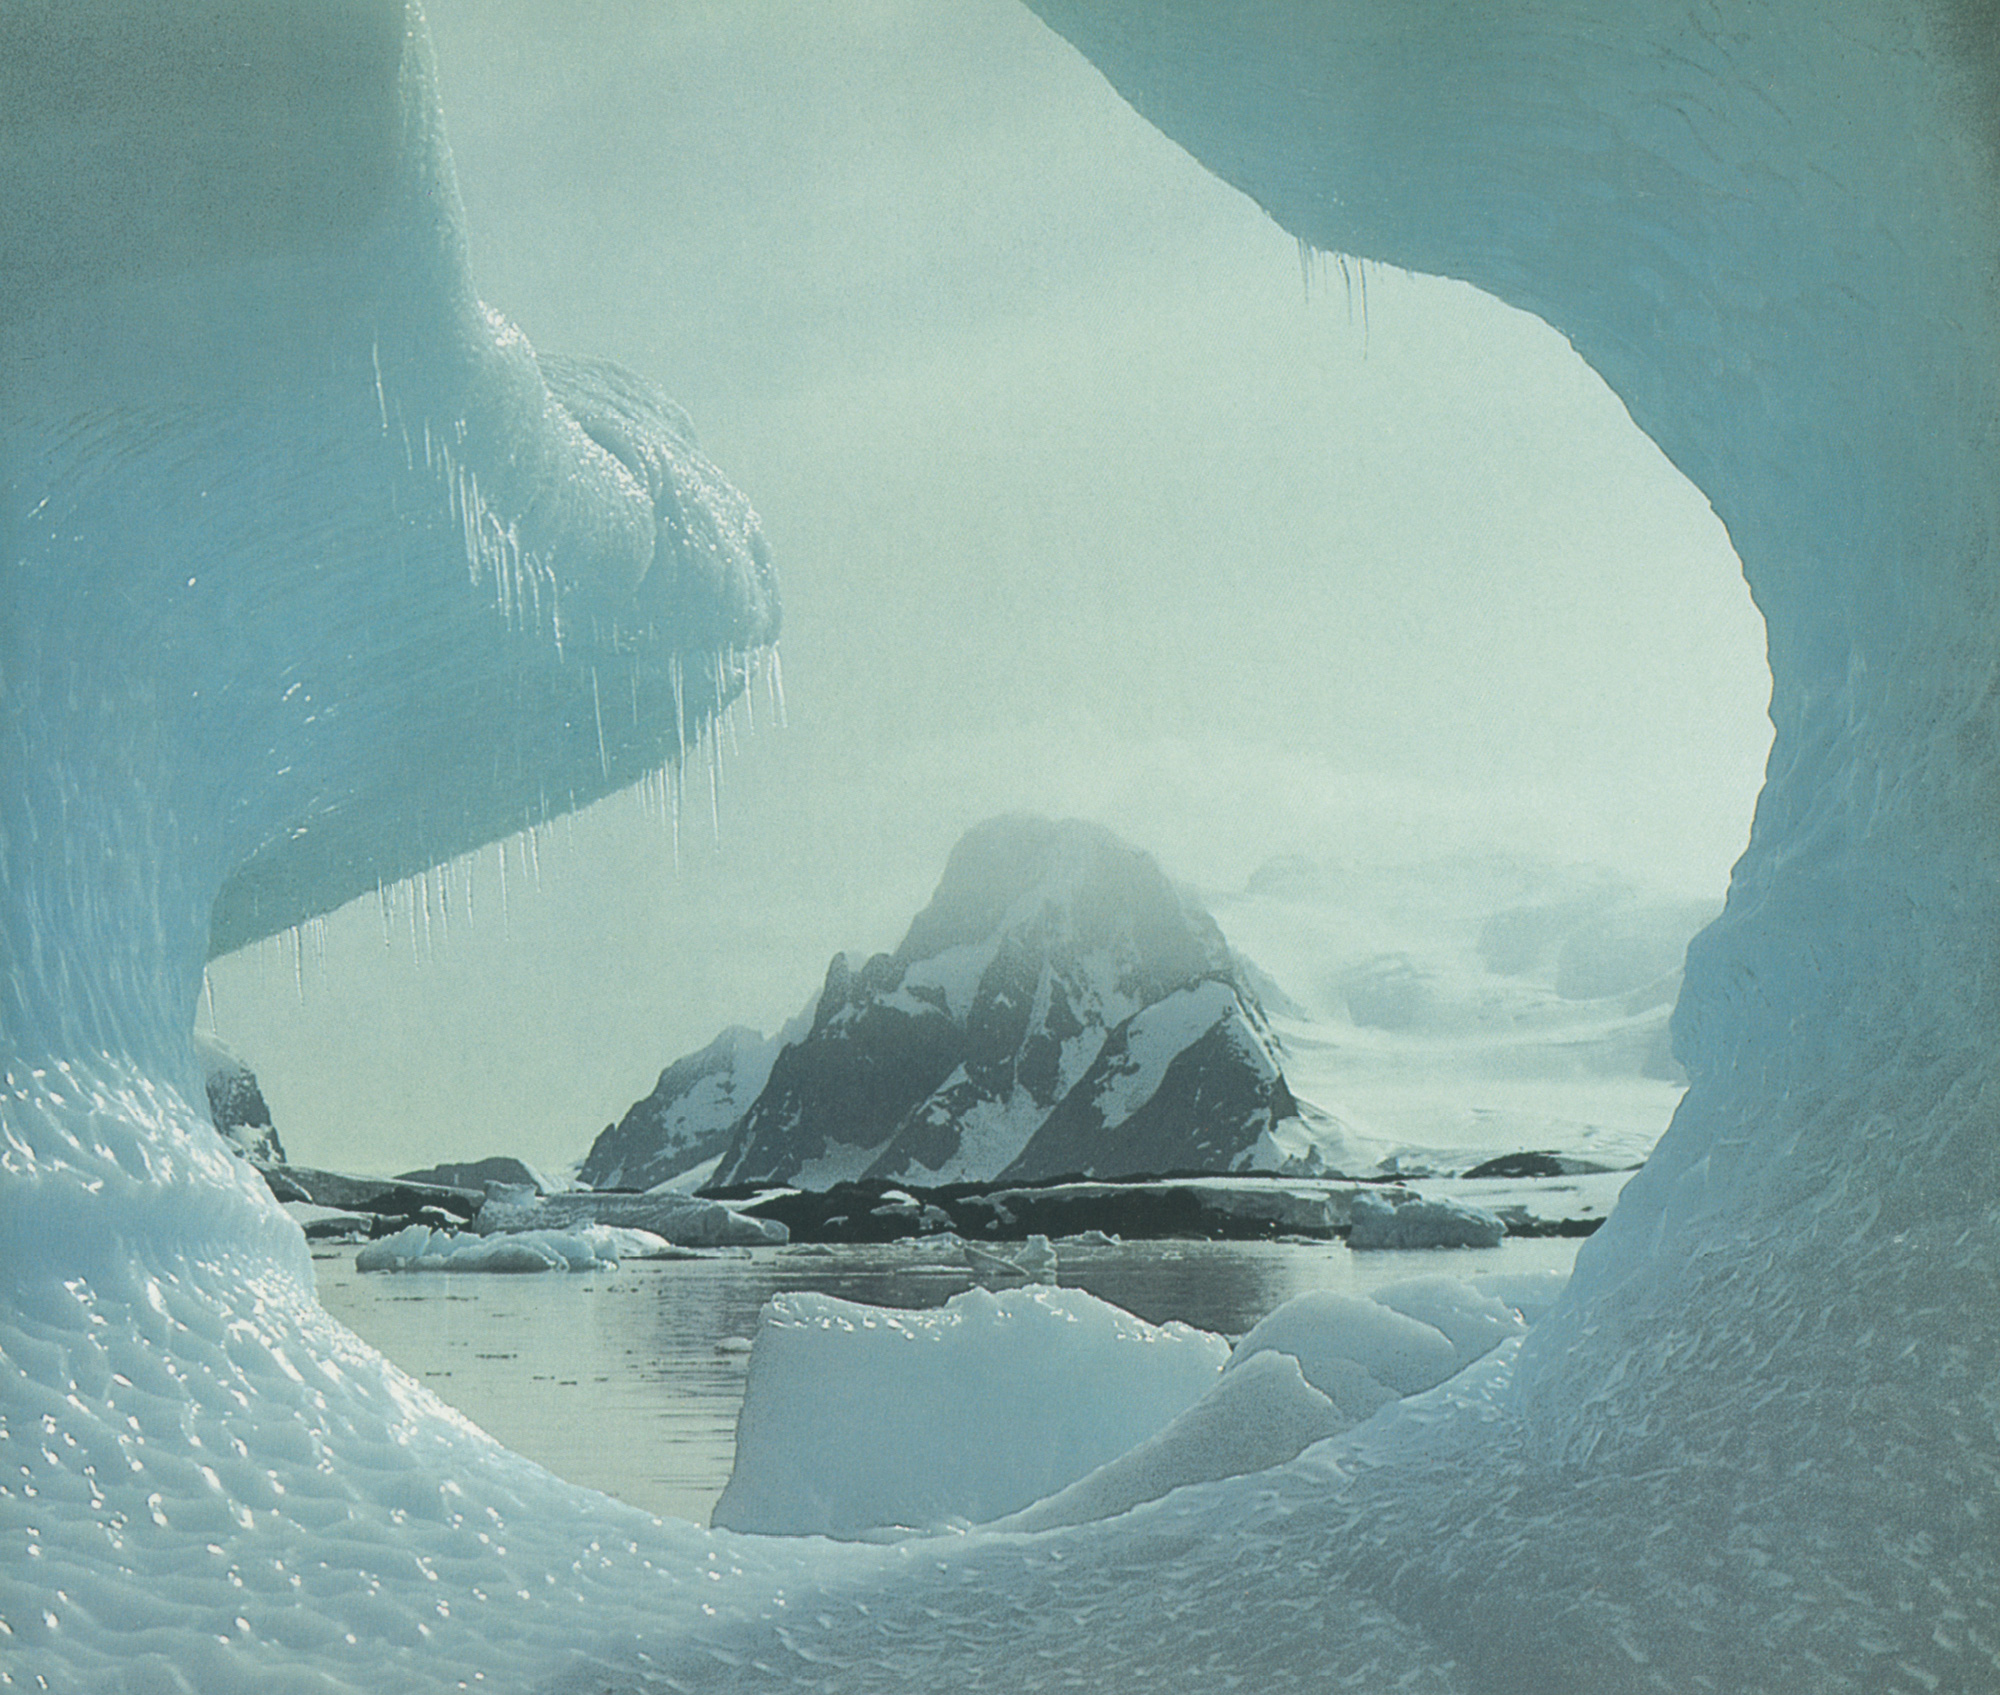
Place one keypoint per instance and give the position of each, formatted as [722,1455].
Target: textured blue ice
[315,575]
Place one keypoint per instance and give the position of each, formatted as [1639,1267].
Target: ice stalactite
[777,676]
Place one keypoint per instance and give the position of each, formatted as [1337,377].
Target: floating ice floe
[594,1247]
[860,1418]
[684,1220]
[1398,1220]
[867,1423]
[1034,1259]
[1253,1419]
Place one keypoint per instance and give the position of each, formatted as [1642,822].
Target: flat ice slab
[859,1419]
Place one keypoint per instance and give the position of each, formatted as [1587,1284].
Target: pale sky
[1084,502]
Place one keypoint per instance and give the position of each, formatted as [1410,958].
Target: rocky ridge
[1058,1007]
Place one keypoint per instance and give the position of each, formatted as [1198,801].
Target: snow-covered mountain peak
[1045,942]
[1073,891]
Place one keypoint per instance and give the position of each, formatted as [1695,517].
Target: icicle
[424,879]
[471,863]
[407,888]
[1306,268]
[680,708]
[777,675]
[729,712]
[506,917]
[382,900]
[208,997]
[534,853]
[381,399]
[469,518]
[298,963]
[751,665]
[555,615]
[715,785]
[674,807]
[597,711]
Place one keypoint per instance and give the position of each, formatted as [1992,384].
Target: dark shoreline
[1199,1206]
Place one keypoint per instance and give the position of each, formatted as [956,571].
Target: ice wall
[1772,230]
[314,574]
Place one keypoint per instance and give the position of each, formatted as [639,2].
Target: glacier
[317,575]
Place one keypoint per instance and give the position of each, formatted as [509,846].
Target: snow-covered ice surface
[308,562]
[1472,1006]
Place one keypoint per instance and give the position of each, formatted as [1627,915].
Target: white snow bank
[328,1223]
[858,1418]
[595,1247]
[1254,1418]
[1422,1222]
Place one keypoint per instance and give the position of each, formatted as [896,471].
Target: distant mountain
[1058,1006]
[1177,1087]
[690,1115]
[1476,1004]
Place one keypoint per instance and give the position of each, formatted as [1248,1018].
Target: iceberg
[316,574]
[684,1220]
[861,1419]
[1317,1366]
[1421,1221]
[596,1247]
[1252,1420]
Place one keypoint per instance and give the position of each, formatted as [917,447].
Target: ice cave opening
[1149,528]
[1754,1447]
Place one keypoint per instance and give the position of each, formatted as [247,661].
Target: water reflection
[630,1381]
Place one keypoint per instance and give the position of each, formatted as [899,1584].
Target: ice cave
[317,574]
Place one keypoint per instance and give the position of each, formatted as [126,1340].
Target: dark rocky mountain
[1058,1002]
[497,1172]
[237,1104]
[1186,1084]
[689,1117]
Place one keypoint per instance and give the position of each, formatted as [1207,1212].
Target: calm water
[629,1381]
